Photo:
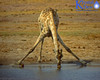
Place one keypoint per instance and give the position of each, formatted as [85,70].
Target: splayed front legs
[68,49]
[58,51]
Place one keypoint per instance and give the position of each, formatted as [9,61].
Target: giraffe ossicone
[48,22]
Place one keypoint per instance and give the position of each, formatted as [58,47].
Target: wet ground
[50,72]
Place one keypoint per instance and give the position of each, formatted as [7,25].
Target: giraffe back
[45,18]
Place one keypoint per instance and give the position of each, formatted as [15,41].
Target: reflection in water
[50,72]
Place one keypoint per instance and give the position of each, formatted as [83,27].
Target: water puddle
[50,72]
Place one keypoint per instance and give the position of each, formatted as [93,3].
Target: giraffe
[48,22]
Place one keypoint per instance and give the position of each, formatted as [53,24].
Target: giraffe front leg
[40,38]
[68,49]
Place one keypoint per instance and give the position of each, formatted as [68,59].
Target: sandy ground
[80,31]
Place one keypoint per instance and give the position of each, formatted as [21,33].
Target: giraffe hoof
[83,63]
[21,66]
[18,64]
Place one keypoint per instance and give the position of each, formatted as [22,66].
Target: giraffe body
[48,22]
[46,18]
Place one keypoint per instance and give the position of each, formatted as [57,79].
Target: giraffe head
[59,55]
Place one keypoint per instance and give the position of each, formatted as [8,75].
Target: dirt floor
[80,31]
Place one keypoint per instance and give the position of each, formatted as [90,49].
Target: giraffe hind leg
[68,49]
[40,38]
